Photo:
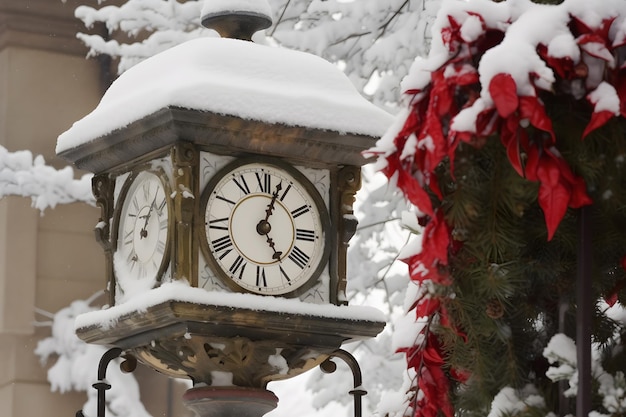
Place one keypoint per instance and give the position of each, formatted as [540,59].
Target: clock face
[265,228]
[142,232]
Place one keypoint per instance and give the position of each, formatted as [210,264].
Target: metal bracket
[328,367]
[129,365]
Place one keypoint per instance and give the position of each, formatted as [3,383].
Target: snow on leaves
[488,70]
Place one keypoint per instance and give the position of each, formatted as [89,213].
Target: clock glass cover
[142,232]
[265,228]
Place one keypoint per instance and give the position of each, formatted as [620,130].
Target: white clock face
[265,229]
[142,230]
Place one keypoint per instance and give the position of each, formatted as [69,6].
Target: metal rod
[584,312]
[102,386]
[328,366]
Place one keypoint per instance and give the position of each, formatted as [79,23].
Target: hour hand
[263,228]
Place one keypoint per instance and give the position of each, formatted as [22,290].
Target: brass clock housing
[265,228]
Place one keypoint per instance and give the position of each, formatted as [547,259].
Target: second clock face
[265,228]
[142,231]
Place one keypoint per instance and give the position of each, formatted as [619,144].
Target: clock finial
[237,19]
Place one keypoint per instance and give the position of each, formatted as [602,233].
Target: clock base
[230,401]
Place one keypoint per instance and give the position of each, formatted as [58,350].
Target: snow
[507,401]
[260,7]
[76,362]
[237,78]
[27,176]
[181,291]
[526,25]
[604,98]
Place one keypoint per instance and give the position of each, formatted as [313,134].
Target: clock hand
[264,228]
[144,232]
[270,206]
[277,254]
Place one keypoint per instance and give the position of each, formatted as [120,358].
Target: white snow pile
[260,7]
[25,176]
[237,78]
[182,291]
[76,366]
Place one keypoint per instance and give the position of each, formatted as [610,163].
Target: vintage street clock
[226,210]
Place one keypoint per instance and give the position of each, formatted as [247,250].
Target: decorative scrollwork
[102,187]
[348,182]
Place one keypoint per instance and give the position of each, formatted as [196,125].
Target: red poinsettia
[471,99]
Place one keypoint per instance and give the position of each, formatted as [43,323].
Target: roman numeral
[161,205]
[212,224]
[135,205]
[265,184]
[163,224]
[300,211]
[225,199]
[260,276]
[128,237]
[282,197]
[222,243]
[298,257]
[160,246]
[305,234]
[236,265]
[284,274]
[243,186]
[146,190]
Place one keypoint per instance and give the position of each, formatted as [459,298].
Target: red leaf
[509,137]
[533,110]
[564,66]
[486,123]
[554,195]
[503,91]
[451,35]
[441,96]
[532,163]
[414,192]
[598,119]
[579,195]
[611,299]
[464,74]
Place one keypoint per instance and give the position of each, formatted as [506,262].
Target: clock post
[225,222]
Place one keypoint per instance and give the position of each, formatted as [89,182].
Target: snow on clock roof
[236,78]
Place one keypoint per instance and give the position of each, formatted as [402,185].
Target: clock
[142,232]
[265,228]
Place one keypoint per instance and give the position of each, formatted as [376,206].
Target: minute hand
[270,206]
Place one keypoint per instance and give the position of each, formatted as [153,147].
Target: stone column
[230,401]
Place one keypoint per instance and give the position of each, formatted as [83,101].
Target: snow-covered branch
[25,176]
[75,366]
[374,41]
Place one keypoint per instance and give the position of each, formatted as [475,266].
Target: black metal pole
[328,366]
[584,312]
[102,386]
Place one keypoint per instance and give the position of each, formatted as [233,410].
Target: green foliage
[510,282]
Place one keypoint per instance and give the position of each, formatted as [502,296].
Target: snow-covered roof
[236,78]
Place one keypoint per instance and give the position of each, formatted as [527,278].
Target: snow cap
[238,19]
[236,78]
